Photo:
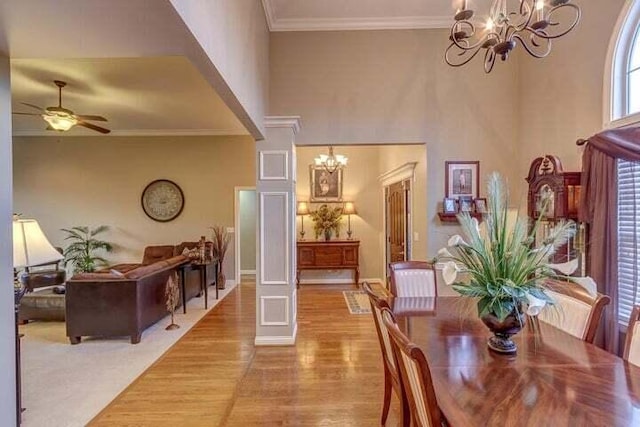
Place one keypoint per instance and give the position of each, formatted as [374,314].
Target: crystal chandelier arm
[489,60]
[538,47]
[553,11]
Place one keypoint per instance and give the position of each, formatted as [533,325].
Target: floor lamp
[348,210]
[30,248]
[301,211]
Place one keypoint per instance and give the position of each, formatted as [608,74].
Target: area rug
[67,385]
[357,301]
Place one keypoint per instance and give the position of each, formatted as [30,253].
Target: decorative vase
[501,341]
[327,234]
[222,279]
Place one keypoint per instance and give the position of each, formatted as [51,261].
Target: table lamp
[348,210]
[301,211]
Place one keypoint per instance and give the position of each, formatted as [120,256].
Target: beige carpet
[357,302]
[65,385]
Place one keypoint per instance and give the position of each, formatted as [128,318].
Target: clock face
[162,200]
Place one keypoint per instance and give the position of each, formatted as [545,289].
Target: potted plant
[81,252]
[220,239]
[326,220]
[505,267]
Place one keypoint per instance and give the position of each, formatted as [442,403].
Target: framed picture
[466,203]
[449,206]
[461,179]
[325,186]
[481,205]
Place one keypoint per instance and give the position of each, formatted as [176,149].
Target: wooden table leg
[183,287]
[203,276]
[215,279]
[297,279]
[357,274]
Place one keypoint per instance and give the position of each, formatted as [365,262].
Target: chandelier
[533,23]
[332,162]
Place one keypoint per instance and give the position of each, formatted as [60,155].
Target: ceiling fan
[62,119]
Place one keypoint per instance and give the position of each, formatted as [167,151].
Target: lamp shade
[349,209]
[303,208]
[30,246]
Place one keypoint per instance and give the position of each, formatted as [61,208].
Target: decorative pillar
[276,248]
[7,320]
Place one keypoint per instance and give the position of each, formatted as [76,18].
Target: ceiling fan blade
[89,117]
[26,114]
[93,127]
[32,106]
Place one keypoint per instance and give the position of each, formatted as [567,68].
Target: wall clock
[162,200]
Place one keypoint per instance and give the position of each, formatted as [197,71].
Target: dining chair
[415,375]
[392,381]
[575,311]
[632,342]
[413,279]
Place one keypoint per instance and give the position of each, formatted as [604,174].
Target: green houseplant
[84,245]
[506,269]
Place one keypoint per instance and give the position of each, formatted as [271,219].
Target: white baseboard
[230,282]
[278,340]
[337,281]
[247,272]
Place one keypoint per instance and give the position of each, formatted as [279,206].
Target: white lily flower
[450,272]
[456,241]
[444,253]
[535,305]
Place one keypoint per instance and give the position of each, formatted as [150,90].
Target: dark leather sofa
[109,304]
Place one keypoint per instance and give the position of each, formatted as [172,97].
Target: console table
[328,255]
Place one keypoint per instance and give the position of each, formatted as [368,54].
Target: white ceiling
[139,96]
[328,15]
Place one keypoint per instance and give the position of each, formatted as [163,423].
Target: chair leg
[387,398]
[405,414]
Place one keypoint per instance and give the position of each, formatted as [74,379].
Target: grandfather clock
[560,190]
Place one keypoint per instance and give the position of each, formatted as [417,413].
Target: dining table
[554,379]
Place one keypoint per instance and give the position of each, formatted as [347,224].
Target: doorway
[397,197]
[245,227]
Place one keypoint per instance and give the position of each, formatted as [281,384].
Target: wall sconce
[348,210]
[302,210]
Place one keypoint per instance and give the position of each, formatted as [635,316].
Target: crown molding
[269,13]
[293,122]
[139,132]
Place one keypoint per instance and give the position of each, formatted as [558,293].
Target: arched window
[624,65]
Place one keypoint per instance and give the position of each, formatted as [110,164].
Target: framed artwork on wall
[462,179]
[449,206]
[325,186]
[481,205]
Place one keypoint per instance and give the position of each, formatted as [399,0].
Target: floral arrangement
[506,270]
[325,220]
[221,240]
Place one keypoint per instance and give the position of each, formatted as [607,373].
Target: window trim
[616,68]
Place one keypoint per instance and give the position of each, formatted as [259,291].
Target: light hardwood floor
[214,376]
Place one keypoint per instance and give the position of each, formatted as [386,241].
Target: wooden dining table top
[554,380]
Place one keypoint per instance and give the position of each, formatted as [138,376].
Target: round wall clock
[162,200]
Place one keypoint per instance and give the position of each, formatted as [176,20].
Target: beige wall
[561,96]
[361,185]
[248,224]
[71,181]
[376,87]
[235,36]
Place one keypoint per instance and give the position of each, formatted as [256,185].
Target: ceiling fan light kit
[62,119]
[532,23]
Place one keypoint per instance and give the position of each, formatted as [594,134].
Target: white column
[276,292]
[7,320]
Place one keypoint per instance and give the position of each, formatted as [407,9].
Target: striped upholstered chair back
[632,343]
[391,374]
[413,279]
[576,311]
[416,377]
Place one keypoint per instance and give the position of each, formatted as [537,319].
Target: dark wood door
[397,213]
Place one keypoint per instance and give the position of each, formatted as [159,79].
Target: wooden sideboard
[328,255]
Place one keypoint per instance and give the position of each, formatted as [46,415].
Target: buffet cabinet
[328,255]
